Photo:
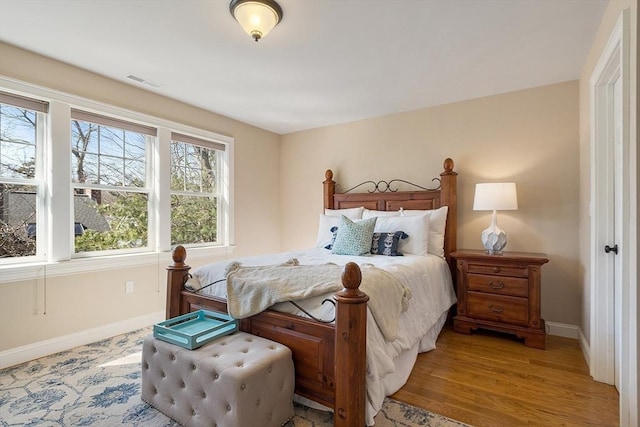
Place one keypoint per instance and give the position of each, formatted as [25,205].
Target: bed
[347,387]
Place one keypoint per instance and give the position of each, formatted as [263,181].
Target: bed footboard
[315,346]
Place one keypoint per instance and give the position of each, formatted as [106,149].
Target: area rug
[99,385]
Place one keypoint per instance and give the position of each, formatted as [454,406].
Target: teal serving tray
[193,330]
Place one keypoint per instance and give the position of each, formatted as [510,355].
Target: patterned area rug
[99,385]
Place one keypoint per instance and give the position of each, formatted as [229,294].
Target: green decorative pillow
[354,238]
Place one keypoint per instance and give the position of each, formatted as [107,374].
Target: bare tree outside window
[18,207]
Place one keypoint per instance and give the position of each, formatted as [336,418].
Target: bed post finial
[351,346]
[448,166]
[179,255]
[329,187]
[176,273]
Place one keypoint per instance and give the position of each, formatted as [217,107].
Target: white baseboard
[562,330]
[584,345]
[29,352]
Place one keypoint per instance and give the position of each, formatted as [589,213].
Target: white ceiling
[327,62]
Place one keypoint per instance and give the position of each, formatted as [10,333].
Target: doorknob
[613,249]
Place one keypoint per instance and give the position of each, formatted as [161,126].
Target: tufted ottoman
[239,380]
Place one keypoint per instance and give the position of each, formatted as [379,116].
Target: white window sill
[36,270]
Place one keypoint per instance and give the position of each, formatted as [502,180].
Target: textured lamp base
[494,239]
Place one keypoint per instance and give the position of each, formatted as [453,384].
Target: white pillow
[368,213]
[417,227]
[351,213]
[324,229]
[437,223]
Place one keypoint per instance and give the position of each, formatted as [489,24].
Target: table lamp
[495,196]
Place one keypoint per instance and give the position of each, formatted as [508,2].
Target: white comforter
[432,292]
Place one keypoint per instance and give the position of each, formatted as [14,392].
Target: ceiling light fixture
[257,17]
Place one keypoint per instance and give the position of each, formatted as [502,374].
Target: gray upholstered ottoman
[239,380]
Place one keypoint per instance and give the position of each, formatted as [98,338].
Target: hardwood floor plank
[490,379]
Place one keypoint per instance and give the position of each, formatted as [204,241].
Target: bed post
[449,197]
[175,281]
[329,187]
[350,351]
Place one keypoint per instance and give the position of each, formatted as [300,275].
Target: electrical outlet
[129,287]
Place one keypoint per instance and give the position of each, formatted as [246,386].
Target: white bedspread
[427,277]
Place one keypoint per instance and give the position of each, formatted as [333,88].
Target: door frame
[613,64]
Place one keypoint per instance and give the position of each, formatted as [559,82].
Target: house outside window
[22,130]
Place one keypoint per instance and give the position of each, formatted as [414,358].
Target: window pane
[111,171]
[192,179]
[135,145]
[110,220]
[18,218]
[193,219]
[17,142]
[208,181]
[134,173]
[108,155]
[111,142]
[84,137]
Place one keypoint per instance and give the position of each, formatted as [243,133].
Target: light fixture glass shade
[493,197]
[257,17]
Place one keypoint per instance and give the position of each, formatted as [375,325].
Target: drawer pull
[496,269]
[496,308]
[498,285]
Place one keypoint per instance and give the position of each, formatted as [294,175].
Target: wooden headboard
[383,196]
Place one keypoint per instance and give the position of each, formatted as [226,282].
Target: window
[21,188]
[110,186]
[194,190]
[82,179]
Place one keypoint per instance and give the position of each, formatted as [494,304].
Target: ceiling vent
[142,80]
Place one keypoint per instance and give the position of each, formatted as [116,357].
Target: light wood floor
[490,379]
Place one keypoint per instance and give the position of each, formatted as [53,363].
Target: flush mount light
[257,17]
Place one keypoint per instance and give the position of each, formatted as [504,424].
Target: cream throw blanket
[251,290]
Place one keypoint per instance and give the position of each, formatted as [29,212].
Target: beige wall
[82,301]
[529,136]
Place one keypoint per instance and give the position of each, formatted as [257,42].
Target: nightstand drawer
[500,270]
[497,308]
[503,285]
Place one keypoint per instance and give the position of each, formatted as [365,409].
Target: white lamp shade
[498,196]
[256,18]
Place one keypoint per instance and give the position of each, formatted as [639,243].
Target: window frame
[41,109]
[58,256]
[219,150]
[150,134]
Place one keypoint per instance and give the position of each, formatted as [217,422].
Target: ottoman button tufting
[258,401]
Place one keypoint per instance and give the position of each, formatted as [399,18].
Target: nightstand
[501,293]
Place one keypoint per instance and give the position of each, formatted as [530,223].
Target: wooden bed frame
[317,346]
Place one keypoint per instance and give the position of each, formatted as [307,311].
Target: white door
[613,352]
[617,228]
